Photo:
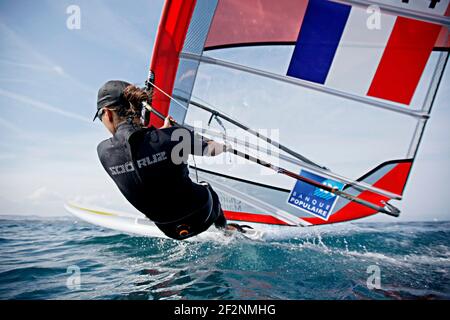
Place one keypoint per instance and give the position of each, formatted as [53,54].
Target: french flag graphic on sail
[337,47]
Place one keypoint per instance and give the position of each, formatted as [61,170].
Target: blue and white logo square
[313,200]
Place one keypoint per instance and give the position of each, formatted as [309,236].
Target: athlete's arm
[167,122]
[202,146]
[208,147]
[214,148]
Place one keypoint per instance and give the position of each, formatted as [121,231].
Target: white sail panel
[359,52]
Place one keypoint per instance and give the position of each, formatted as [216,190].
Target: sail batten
[401,9]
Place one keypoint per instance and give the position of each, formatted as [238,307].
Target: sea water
[68,259]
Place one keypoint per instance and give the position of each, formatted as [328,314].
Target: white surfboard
[139,225]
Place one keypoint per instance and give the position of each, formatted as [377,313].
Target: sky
[49,77]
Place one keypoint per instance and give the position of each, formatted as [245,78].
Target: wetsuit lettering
[144,162]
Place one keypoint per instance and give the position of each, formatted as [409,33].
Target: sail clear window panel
[347,136]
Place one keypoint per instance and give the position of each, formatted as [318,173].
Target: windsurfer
[149,165]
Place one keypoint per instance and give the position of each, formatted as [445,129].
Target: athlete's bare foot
[237,227]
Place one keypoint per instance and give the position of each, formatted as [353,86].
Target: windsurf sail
[305,85]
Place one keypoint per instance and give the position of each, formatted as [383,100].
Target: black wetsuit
[140,162]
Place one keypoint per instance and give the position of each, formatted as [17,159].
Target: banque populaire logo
[313,200]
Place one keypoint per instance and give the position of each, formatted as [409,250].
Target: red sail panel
[404,60]
[393,181]
[169,42]
[253,217]
[238,22]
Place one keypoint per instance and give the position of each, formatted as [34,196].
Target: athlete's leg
[221,221]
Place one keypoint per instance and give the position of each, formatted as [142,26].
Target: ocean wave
[307,263]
